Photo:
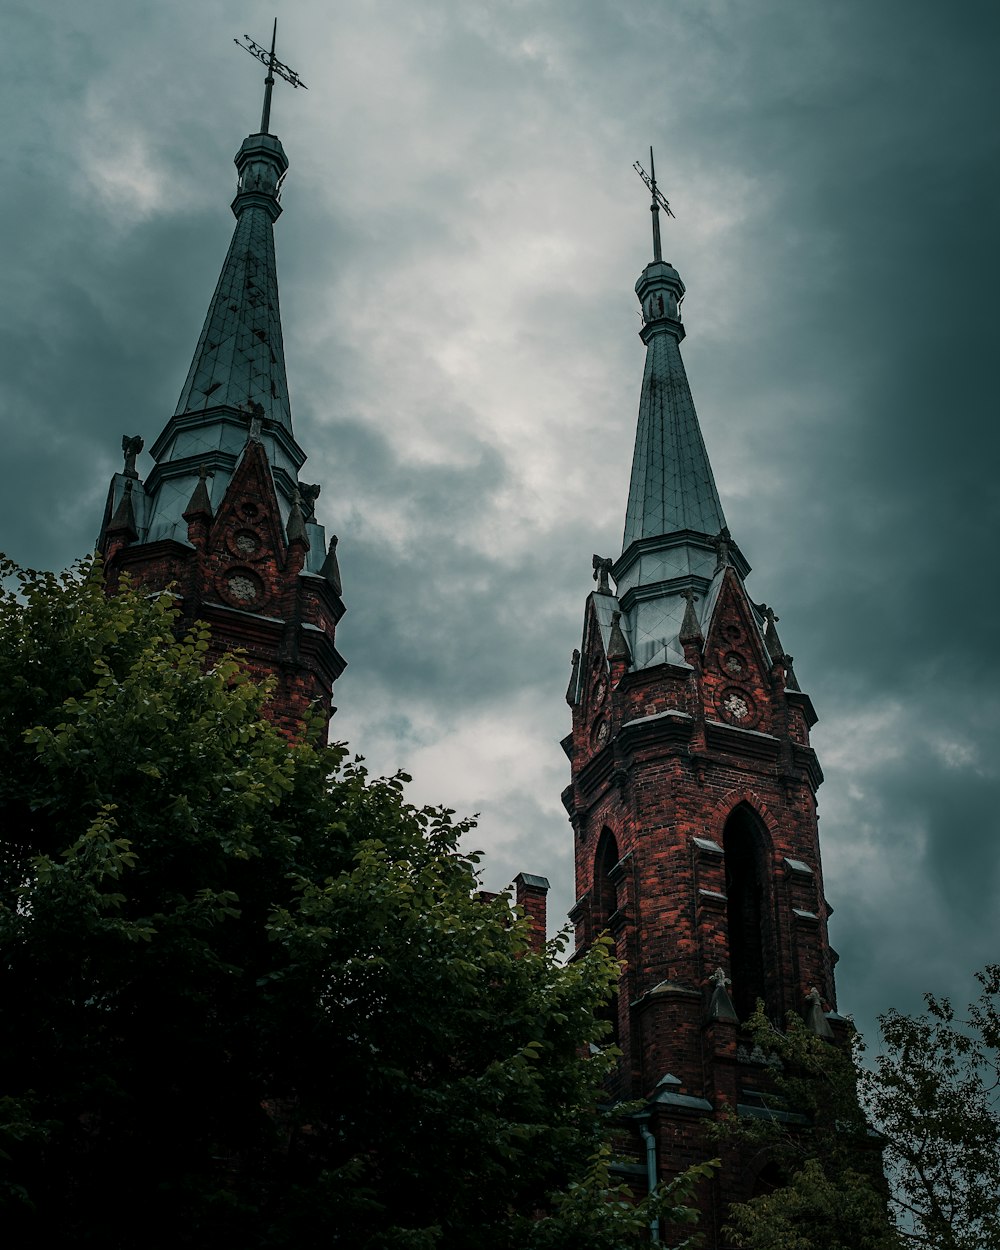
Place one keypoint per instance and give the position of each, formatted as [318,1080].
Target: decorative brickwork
[240,574]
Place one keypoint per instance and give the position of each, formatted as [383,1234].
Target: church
[692,795]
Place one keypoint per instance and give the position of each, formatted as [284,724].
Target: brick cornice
[671,729]
[806,761]
[319,585]
[597,771]
[796,698]
[145,553]
[746,743]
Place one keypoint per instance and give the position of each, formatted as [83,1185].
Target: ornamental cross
[272,64]
[719,978]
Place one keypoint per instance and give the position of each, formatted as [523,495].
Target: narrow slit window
[748,912]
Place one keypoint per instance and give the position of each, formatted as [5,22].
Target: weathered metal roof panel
[672,487]
[240,357]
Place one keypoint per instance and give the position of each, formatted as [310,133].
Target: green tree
[249,997]
[934,1093]
[927,1111]
[826,1189]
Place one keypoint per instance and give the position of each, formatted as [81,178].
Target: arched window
[605,896]
[605,890]
[768,1179]
[748,911]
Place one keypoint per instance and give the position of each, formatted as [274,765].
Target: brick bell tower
[693,793]
[222,515]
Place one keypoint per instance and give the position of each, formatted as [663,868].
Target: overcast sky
[461,236]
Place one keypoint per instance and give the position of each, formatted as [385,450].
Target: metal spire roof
[234,402]
[672,486]
[240,360]
[237,377]
[673,511]
[240,357]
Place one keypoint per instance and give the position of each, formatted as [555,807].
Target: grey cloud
[840,346]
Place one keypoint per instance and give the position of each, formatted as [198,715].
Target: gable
[736,668]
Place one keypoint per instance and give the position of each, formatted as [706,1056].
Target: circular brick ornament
[601,732]
[734,663]
[737,707]
[243,587]
[246,544]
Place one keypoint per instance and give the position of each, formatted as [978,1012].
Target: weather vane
[659,201]
[271,62]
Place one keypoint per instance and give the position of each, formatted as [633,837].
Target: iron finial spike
[654,208]
[265,116]
[658,201]
[273,66]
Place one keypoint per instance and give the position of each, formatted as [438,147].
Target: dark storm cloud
[462,232]
[445,619]
[927,914]
[873,414]
[90,350]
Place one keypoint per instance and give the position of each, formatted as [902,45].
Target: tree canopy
[934,1092]
[915,1132]
[250,996]
[824,1187]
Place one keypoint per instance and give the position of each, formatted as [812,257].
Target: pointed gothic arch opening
[748,910]
[605,904]
[605,889]
[770,1177]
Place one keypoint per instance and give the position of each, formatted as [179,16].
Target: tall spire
[672,486]
[238,368]
[692,793]
[240,357]
[222,517]
[673,508]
